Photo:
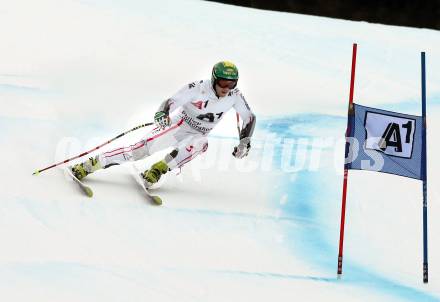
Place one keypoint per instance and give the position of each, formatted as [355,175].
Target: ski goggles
[226,83]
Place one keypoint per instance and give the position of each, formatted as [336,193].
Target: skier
[200,106]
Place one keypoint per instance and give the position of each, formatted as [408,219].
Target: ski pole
[90,151]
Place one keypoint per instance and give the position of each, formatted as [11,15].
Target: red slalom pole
[90,151]
[344,186]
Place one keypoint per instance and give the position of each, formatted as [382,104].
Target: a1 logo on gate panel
[392,135]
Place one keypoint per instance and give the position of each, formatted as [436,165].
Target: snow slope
[76,73]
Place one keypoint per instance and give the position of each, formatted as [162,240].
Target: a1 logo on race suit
[210,117]
[207,117]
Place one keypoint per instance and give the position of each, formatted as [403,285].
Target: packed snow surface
[74,74]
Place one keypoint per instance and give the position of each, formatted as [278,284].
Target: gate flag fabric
[385,141]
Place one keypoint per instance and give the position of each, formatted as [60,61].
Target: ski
[86,189]
[138,177]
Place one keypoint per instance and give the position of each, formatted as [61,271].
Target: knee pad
[174,153]
[170,156]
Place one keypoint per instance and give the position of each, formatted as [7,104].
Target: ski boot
[83,169]
[153,175]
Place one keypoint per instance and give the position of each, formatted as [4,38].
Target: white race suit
[198,110]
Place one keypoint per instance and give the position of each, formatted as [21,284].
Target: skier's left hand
[162,120]
[243,147]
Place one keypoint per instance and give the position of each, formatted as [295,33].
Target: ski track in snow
[315,246]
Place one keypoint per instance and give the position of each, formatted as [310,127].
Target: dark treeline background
[414,13]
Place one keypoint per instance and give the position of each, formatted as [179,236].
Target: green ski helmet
[224,70]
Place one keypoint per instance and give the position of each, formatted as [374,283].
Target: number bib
[201,109]
[203,115]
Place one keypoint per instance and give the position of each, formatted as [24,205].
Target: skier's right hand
[162,120]
[243,147]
